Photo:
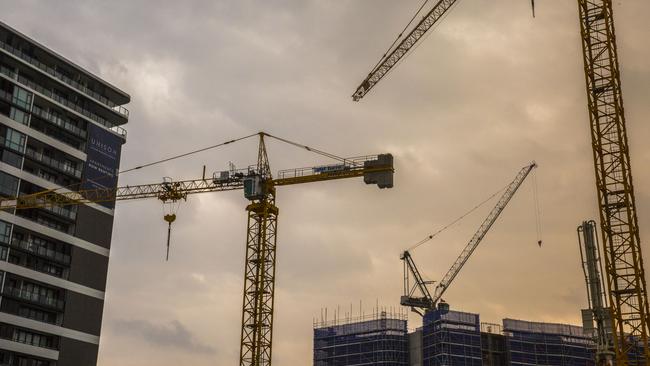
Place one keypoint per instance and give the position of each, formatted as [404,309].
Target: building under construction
[378,339]
[449,338]
[531,343]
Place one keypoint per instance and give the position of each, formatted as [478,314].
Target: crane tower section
[618,216]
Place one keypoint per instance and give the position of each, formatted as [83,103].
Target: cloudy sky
[489,90]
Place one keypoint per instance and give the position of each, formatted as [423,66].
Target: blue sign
[103,160]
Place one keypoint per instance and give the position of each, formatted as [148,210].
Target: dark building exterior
[378,340]
[531,343]
[451,338]
[59,129]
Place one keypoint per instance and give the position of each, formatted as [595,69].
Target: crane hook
[169,218]
[532,2]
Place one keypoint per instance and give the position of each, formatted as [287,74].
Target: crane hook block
[383,177]
[170,218]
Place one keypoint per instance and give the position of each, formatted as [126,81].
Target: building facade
[533,343]
[59,130]
[374,341]
[452,338]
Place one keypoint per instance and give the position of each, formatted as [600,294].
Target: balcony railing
[34,297]
[41,251]
[61,211]
[75,107]
[52,72]
[48,93]
[52,163]
[58,121]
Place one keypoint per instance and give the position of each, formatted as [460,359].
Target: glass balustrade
[53,163]
[65,79]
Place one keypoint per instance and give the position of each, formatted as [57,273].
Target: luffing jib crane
[625,274]
[413,281]
[259,188]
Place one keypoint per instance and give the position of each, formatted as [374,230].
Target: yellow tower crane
[618,215]
[259,188]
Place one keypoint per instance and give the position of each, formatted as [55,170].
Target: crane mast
[427,301]
[618,215]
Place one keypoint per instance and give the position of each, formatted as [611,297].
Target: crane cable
[164,160]
[429,237]
[70,186]
[186,154]
[538,221]
[308,148]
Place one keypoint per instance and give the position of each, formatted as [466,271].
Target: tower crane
[259,188]
[413,281]
[598,309]
[624,270]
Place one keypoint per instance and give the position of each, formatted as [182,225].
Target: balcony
[102,121]
[33,297]
[31,247]
[58,121]
[52,163]
[75,107]
[66,80]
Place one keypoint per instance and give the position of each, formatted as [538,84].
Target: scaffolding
[532,343]
[377,339]
[493,345]
[451,338]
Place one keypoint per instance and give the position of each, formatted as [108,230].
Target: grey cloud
[488,90]
[172,334]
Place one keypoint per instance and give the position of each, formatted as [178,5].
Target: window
[12,158]
[5,232]
[15,140]
[8,185]
[22,97]
[19,116]
[69,166]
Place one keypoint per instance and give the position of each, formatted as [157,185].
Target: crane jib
[426,301]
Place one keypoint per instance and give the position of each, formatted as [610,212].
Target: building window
[12,158]
[19,116]
[5,232]
[15,140]
[8,185]
[22,97]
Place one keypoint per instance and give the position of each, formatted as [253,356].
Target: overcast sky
[489,90]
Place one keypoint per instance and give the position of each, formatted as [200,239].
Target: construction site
[466,190]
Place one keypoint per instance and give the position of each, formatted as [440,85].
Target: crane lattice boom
[628,295]
[393,58]
[482,230]
[427,301]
